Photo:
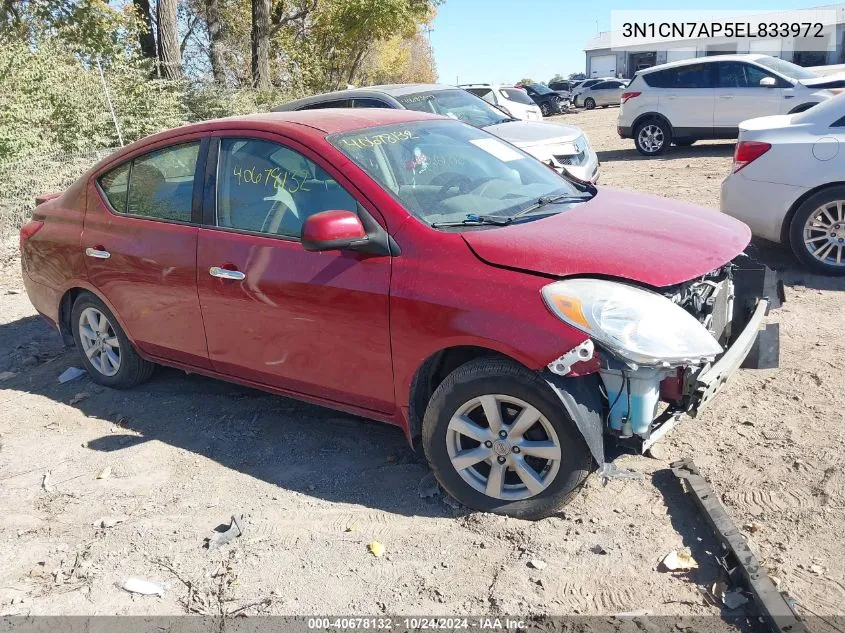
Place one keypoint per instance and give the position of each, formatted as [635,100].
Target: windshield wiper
[544,200]
[473,219]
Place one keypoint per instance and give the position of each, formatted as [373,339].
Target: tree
[169,52]
[525,82]
[557,77]
[146,38]
[577,76]
[214,27]
[261,44]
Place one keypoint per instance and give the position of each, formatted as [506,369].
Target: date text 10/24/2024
[417,623]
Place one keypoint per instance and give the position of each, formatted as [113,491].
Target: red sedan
[407,268]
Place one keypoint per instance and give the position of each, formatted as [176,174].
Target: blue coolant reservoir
[640,387]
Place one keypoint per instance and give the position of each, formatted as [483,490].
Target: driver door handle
[224,273]
[97,252]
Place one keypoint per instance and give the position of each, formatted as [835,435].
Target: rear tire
[103,346]
[498,480]
[821,220]
[652,137]
[589,103]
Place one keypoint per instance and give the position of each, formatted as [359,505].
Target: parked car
[549,101]
[559,146]
[407,268]
[587,83]
[787,183]
[511,100]
[708,97]
[563,88]
[602,94]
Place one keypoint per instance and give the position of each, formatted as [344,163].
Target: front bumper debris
[736,558]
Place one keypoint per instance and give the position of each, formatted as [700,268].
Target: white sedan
[788,183]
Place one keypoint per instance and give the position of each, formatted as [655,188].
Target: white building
[606,61]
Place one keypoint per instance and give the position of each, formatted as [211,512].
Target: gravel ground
[182,454]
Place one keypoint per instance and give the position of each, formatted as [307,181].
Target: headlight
[641,326]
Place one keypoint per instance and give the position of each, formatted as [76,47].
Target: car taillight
[626,96]
[747,152]
[29,229]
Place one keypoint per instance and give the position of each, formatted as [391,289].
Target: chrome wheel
[503,447]
[824,233]
[651,138]
[99,341]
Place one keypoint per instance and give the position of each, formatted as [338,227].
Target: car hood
[530,133]
[646,239]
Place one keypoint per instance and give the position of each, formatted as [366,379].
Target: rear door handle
[224,273]
[97,252]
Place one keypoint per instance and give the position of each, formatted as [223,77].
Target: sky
[503,41]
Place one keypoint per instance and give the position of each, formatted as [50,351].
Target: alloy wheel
[503,447]
[651,138]
[545,109]
[99,341]
[824,233]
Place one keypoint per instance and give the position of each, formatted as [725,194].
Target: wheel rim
[99,341]
[503,447]
[651,138]
[589,104]
[545,109]
[824,233]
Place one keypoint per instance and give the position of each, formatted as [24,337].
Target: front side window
[444,171]
[369,103]
[264,187]
[692,76]
[456,104]
[160,184]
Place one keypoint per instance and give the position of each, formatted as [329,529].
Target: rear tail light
[627,96]
[29,229]
[747,152]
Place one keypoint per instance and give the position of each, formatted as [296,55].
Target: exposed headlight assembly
[639,326]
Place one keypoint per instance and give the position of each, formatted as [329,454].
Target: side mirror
[768,82]
[332,230]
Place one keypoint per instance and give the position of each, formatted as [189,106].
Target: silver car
[556,145]
[602,94]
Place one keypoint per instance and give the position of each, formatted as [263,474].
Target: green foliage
[557,77]
[577,76]
[525,82]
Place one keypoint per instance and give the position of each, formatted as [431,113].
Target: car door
[739,96]
[687,100]
[313,323]
[140,240]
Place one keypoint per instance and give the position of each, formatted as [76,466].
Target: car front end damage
[642,398]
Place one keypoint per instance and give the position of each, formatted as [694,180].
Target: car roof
[751,57]
[392,90]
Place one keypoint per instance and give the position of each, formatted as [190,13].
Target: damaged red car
[410,269]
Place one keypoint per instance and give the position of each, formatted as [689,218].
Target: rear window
[517,95]
[692,76]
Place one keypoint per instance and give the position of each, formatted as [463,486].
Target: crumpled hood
[647,239]
[528,133]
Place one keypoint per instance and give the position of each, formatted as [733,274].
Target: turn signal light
[747,152]
[626,96]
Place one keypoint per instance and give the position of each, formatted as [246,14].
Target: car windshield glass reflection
[445,172]
[456,104]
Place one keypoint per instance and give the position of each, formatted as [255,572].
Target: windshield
[457,104]
[789,69]
[541,89]
[516,95]
[444,171]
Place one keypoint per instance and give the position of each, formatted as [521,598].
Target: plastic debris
[108,522]
[376,549]
[679,561]
[143,587]
[47,483]
[78,398]
[219,539]
[536,563]
[71,373]
[598,548]
[104,473]
[734,599]
[7,375]
[752,527]
[428,486]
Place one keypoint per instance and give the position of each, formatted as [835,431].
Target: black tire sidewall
[796,230]
[545,109]
[475,379]
[667,137]
[125,376]
[589,103]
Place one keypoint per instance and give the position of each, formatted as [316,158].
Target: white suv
[514,101]
[707,98]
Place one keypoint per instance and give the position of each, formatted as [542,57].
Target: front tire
[545,109]
[103,346]
[499,440]
[817,232]
[652,137]
[589,103]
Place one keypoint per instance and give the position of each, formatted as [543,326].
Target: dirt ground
[184,453]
